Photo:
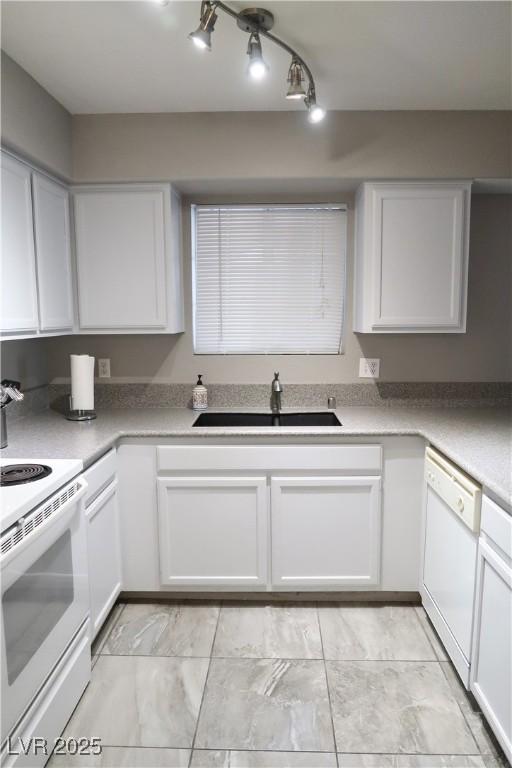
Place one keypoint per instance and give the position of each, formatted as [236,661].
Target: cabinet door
[120,251]
[104,550]
[137,497]
[18,305]
[491,663]
[418,250]
[325,531]
[53,251]
[213,531]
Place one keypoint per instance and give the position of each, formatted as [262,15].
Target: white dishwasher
[452,524]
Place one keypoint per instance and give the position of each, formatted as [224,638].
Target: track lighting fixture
[202,37]
[258,22]
[257,67]
[295,80]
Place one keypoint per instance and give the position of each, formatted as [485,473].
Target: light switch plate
[369,368]
[104,368]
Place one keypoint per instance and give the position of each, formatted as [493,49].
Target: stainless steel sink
[311,419]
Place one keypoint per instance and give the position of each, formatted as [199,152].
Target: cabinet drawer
[497,525]
[329,458]
[100,475]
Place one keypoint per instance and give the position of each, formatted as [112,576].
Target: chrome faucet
[275,396]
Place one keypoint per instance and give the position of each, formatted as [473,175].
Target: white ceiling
[135,56]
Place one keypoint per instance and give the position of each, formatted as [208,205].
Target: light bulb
[199,41]
[257,69]
[316,113]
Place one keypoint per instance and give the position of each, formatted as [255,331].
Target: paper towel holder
[79,415]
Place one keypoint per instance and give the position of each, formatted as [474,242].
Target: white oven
[44,591]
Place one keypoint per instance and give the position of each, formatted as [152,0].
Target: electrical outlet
[369,368]
[104,368]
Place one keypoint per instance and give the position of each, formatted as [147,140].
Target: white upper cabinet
[411,258]
[18,307]
[36,292]
[128,259]
[53,252]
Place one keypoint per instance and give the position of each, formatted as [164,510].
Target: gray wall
[280,151]
[283,145]
[482,354]
[33,122]
[38,127]
[25,361]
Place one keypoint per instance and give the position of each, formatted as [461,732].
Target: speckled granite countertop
[479,440]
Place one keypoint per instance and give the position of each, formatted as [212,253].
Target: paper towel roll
[82,382]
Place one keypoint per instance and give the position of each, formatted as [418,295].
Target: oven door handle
[56,509]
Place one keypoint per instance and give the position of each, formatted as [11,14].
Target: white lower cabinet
[104,549]
[491,663]
[213,531]
[234,515]
[325,531]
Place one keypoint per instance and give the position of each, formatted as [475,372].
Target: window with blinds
[268,279]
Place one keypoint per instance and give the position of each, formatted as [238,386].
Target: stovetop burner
[17,474]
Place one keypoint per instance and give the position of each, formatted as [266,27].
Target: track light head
[202,37]
[295,80]
[257,67]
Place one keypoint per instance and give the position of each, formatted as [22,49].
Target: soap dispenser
[199,396]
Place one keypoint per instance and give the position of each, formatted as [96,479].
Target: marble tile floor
[280,685]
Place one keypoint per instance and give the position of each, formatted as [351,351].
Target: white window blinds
[268,279]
